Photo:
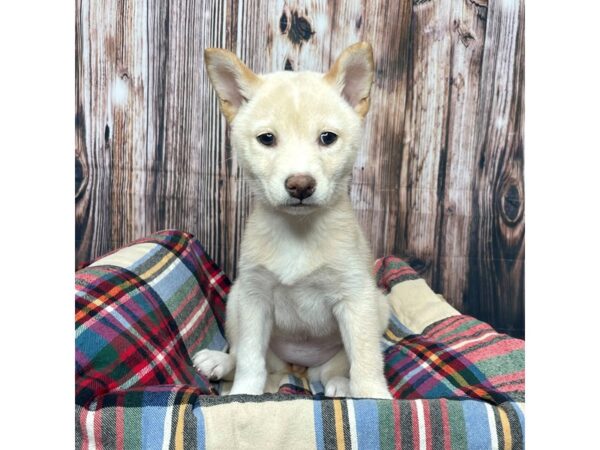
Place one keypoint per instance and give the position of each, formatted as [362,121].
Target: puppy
[305,295]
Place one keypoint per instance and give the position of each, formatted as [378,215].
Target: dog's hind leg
[333,375]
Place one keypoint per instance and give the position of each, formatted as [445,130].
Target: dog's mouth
[299,207]
[300,204]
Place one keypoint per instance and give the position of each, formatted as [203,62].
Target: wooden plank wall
[440,176]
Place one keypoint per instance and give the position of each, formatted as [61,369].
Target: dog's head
[296,134]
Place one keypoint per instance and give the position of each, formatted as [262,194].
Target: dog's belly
[311,352]
[305,331]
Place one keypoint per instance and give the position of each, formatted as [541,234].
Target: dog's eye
[328,138]
[267,139]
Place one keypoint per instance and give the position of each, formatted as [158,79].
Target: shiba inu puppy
[305,295]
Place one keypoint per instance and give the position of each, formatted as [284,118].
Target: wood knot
[481,7]
[458,81]
[419,265]
[283,23]
[80,177]
[299,30]
[79,122]
[78,174]
[288,65]
[511,203]
[465,35]
[481,3]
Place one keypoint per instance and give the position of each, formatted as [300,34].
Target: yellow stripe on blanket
[130,255]
[164,262]
[339,424]
[505,429]
[181,422]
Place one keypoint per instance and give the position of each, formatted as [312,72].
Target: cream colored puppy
[305,294]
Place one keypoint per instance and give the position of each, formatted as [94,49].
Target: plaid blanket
[143,310]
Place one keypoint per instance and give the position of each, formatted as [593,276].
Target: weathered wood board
[440,175]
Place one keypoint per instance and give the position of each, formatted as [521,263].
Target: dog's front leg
[359,324]
[254,324]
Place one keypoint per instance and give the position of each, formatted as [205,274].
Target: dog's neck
[293,246]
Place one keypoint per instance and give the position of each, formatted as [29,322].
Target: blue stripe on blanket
[478,431]
[319,436]
[200,429]
[176,276]
[153,418]
[367,420]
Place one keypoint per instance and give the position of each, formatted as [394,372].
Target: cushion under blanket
[144,310]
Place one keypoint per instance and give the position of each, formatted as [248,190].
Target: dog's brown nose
[300,186]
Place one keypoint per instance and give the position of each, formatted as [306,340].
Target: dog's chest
[297,268]
[305,331]
[305,307]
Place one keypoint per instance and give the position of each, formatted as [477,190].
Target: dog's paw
[213,364]
[337,387]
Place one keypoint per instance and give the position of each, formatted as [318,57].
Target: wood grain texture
[439,178]
[497,253]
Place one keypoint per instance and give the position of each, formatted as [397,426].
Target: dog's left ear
[352,75]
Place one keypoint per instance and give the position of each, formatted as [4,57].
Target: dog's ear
[352,75]
[234,82]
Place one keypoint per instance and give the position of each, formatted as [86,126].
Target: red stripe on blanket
[397,431]
[493,351]
[415,421]
[445,424]
[427,420]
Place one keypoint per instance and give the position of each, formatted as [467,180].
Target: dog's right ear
[234,82]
